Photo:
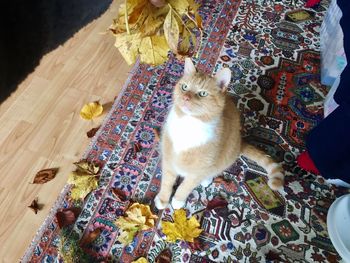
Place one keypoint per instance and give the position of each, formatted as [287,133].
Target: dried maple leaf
[89,237]
[91,110]
[138,217]
[91,133]
[82,185]
[35,206]
[165,256]
[45,175]
[67,216]
[182,228]
[85,167]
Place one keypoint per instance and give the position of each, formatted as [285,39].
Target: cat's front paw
[177,204]
[159,203]
[276,184]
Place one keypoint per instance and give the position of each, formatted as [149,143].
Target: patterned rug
[272,49]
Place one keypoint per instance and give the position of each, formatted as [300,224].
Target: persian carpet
[272,49]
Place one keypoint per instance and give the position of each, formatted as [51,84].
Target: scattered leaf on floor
[165,256]
[120,194]
[67,216]
[137,147]
[35,206]
[141,260]
[217,202]
[91,133]
[82,185]
[85,167]
[157,134]
[89,237]
[91,110]
[273,256]
[45,175]
[182,228]
[138,217]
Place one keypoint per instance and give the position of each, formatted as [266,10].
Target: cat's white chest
[188,132]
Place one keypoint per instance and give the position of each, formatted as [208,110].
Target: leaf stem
[201,34]
[126,16]
[175,12]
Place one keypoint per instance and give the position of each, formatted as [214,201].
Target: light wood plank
[41,127]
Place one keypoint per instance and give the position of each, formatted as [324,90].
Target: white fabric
[333,59]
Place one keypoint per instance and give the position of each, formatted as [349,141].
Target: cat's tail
[274,170]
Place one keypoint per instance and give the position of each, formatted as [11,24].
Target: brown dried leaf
[67,216]
[157,134]
[120,194]
[91,133]
[165,256]
[45,175]
[88,238]
[137,147]
[35,206]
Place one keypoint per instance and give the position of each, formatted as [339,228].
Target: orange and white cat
[201,137]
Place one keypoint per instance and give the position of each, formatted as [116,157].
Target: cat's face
[200,95]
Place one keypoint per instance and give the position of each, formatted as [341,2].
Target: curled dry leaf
[91,110]
[45,175]
[137,147]
[165,256]
[182,228]
[171,30]
[119,194]
[85,167]
[35,206]
[138,217]
[91,133]
[67,216]
[216,202]
[157,134]
[90,237]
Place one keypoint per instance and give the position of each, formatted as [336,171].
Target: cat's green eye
[203,93]
[184,87]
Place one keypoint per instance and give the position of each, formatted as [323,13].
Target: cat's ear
[223,78]
[189,67]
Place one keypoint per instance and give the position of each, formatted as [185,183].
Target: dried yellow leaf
[82,185]
[182,228]
[128,46]
[85,167]
[154,50]
[139,217]
[151,25]
[91,110]
[171,31]
[181,6]
[140,260]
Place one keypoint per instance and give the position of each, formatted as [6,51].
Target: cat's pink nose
[187,97]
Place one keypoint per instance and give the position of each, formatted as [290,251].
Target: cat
[201,137]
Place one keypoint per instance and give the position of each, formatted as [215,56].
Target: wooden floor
[41,127]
